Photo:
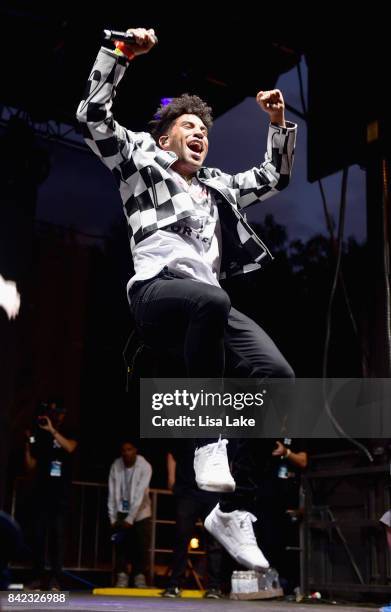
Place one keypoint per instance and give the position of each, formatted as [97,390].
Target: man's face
[128,453]
[188,138]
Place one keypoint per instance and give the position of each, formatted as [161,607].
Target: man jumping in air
[187,231]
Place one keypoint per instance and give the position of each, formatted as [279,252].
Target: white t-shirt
[127,476]
[190,247]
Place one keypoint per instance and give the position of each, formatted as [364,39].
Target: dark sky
[81,192]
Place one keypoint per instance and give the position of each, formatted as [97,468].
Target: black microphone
[122,36]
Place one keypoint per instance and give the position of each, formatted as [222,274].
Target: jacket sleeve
[139,491]
[111,496]
[272,175]
[110,141]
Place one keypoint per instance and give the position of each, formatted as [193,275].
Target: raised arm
[274,173]
[108,140]
[67,444]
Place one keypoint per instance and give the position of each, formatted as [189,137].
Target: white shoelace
[219,451]
[219,447]
[246,520]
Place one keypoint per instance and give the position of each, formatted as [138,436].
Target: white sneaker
[122,580]
[211,467]
[139,581]
[234,531]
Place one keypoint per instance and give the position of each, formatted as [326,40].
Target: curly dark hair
[184,104]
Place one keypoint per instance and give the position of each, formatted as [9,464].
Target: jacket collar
[165,158]
[204,175]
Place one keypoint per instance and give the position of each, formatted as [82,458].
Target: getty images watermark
[270,408]
[207,400]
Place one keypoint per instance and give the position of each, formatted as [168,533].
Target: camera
[51,409]
[41,411]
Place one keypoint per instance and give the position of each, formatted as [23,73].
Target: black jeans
[196,320]
[132,546]
[191,506]
[49,518]
[275,530]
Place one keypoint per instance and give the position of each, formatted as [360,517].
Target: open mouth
[195,147]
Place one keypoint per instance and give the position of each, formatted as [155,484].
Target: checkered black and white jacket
[152,200]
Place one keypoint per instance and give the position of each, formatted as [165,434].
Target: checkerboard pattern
[151,199]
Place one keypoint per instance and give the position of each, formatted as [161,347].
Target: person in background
[49,451]
[11,540]
[191,504]
[129,508]
[278,504]
[386,521]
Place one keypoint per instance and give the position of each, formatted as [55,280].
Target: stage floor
[97,603]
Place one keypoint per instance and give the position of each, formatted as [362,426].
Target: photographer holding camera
[48,453]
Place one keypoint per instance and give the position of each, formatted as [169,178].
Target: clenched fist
[144,41]
[272,102]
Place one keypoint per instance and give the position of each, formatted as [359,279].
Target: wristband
[122,48]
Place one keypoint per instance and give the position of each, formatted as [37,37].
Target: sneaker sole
[238,558]
[252,566]
[215,487]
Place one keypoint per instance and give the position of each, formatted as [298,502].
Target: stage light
[194,543]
